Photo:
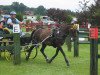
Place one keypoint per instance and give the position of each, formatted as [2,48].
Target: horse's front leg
[57,51]
[29,52]
[66,60]
[42,51]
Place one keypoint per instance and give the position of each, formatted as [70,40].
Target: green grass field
[78,65]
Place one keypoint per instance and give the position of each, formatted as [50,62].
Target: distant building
[30,13]
[47,20]
[30,18]
[3,11]
[33,18]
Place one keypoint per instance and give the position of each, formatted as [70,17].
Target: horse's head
[62,32]
[69,30]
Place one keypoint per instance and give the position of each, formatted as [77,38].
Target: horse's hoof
[47,60]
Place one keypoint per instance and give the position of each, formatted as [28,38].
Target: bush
[19,16]
[69,19]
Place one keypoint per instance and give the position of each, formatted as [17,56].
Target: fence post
[94,57]
[94,51]
[0,49]
[0,54]
[17,48]
[0,15]
[76,45]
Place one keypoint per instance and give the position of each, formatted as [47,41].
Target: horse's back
[42,34]
[45,33]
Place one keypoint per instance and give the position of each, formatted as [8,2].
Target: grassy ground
[78,65]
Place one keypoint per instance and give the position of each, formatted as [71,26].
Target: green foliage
[84,14]
[60,15]
[92,14]
[18,7]
[69,19]
[15,6]
[38,18]
[19,16]
[40,10]
[28,21]
[95,20]
[78,65]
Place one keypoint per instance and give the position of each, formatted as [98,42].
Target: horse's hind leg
[42,51]
[29,52]
[66,60]
[57,50]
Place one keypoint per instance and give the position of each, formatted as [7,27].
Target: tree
[22,7]
[55,14]
[83,14]
[40,10]
[59,15]
[69,19]
[19,16]
[92,12]
[38,18]
[18,7]
[95,12]
[15,6]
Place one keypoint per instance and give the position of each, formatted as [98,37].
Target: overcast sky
[62,4]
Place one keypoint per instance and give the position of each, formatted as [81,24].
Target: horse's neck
[65,29]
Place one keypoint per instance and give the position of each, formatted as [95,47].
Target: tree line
[88,13]
[56,14]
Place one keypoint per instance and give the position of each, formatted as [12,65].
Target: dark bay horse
[55,38]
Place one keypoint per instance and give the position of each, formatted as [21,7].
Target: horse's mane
[65,26]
